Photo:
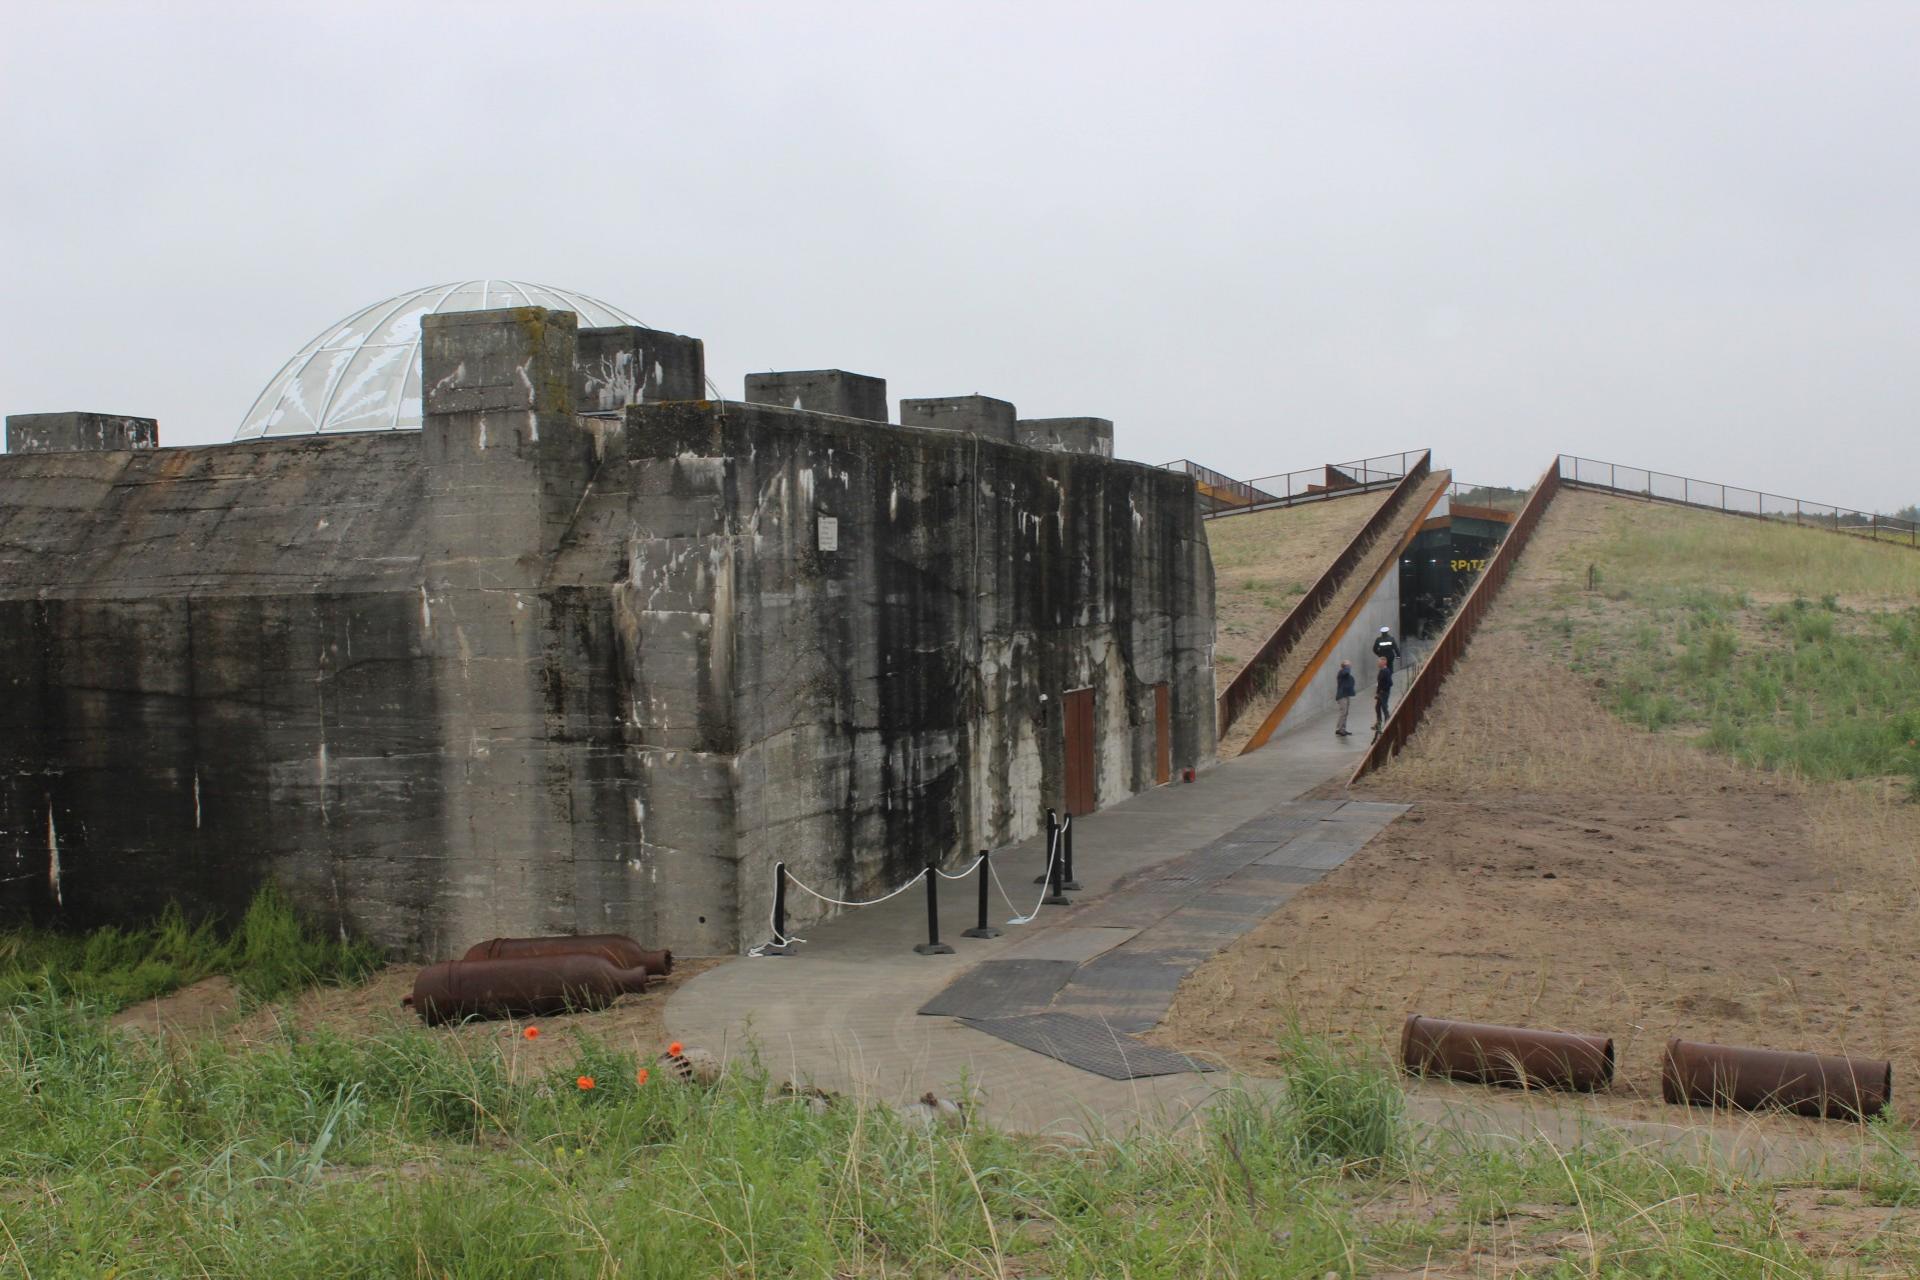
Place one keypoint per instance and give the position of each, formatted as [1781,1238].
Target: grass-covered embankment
[1789,649]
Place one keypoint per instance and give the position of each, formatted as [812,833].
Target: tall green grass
[269,953]
[1688,632]
[407,1153]
[1651,546]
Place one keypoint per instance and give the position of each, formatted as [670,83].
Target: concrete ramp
[1328,624]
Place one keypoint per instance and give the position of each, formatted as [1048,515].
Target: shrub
[1337,1109]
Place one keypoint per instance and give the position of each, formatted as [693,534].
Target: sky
[1261,236]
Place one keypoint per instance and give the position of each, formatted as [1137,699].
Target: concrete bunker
[588,652]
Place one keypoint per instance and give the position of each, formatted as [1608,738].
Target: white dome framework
[363,374]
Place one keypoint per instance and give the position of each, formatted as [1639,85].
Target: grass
[270,953]
[1689,630]
[1652,545]
[408,1154]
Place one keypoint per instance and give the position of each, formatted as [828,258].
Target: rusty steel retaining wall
[1244,686]
[1453,641]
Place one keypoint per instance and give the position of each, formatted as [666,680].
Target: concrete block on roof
[835,391]
[625,364]
[75,432]
[982,415]
[515,358]
[1067,435]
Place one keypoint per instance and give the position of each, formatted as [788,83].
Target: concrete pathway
[842,1012]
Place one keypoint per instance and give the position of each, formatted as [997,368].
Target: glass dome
[363,374]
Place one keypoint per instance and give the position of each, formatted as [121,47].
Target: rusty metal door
[1162,736]
[1077,713]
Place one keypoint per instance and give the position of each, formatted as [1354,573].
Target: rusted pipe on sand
[524,987]
[1487,1054]
[1835,1086]
[618,948]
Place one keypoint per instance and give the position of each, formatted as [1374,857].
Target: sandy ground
[1562,870]
[1263,562]
[635,1022]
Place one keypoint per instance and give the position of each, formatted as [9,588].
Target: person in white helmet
[1384,647]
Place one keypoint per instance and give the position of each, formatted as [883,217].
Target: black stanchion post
[1053,847]
[777,946]
[982,929]
[1067,881]
[1056,882]
[933,946]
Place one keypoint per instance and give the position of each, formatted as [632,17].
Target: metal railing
[1328,480]
[1217,487]
[1244,686]
[1484,501]
[1709,495]
[1447,651]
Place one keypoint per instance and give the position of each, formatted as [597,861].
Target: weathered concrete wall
[75,432]
[981,415]
[887,673]
[1067,435]
[211,674]
[622,365]
[523,671]
[835,391]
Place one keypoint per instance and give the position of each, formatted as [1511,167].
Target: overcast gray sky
[1262,236]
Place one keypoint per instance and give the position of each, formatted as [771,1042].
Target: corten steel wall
[505,675]
[886,696]
[1447,651]
[1244,687]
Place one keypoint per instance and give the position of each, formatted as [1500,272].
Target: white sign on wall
[829,533]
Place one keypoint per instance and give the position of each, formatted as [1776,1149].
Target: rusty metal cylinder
[623,951]
[1811,1084]
[523,987]
[1487,1054]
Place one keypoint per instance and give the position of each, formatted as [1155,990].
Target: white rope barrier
[779,939]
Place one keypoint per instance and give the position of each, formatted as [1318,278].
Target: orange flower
[674,1048]
[531,1033]
[585,1082]
[640,1076]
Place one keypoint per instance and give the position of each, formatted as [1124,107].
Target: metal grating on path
[997,988]
[1089,1045]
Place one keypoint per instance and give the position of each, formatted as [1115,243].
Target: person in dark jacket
[1382,695]
[1343,691]
[1384,647]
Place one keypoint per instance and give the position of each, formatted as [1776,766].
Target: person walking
[1382,696]
[1343,691]
[1384,647]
